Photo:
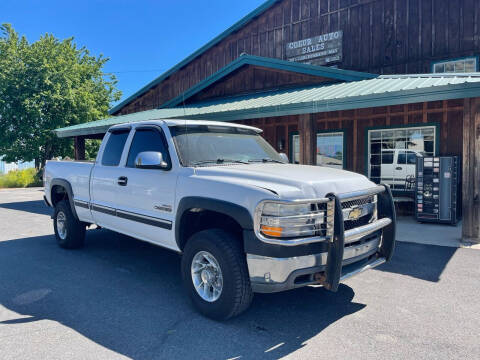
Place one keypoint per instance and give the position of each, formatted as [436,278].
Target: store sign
[319,50]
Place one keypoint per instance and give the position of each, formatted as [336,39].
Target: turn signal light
[271,230]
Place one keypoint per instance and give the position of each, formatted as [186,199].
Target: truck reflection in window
[393,153]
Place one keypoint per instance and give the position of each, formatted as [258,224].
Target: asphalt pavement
[123,298]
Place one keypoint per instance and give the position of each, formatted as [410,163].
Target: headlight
[291,220]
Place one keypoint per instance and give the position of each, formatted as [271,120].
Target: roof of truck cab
[179,122]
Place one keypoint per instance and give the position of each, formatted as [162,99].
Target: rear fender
[68,189]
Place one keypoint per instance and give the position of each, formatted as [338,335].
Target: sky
[142,38]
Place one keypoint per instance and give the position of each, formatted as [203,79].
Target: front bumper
[349,253]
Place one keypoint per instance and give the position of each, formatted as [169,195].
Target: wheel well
[195,220]
[58,193]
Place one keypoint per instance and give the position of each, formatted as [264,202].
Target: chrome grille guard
[385,221]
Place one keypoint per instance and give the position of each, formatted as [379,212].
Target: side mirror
[150,160]
[284,157]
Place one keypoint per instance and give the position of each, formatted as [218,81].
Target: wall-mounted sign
[318,50]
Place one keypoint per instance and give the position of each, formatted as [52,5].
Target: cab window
[402,158]
[387,157]
[114,148]
[411,158]
[147,140]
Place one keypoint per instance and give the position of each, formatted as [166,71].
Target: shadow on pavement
[425,262]
[34,206]
[127,296]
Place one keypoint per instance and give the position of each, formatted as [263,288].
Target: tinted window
[387,157]
[411,158]
[147,140]
[113,149]
[402,158]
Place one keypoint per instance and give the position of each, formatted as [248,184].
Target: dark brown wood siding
[250,79]
[380,36]
[356,123]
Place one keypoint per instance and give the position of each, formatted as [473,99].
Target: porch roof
[381,91]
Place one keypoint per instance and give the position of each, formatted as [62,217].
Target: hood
[288,181]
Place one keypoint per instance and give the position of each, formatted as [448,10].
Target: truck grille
[358,202]
[366,204]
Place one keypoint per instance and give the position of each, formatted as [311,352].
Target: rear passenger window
[147,140]
[387,157]
[113,149]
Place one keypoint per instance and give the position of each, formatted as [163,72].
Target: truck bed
[77,173]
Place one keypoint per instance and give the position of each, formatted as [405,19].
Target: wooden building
[327,82]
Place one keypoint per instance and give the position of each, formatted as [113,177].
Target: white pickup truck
[243,219]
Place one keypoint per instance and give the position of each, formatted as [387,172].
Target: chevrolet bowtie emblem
[355,214]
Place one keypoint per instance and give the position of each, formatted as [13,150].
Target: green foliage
[46,85]
[91,148]
[20,178]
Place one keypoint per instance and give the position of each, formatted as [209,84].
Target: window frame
[160,131]
[476,58]
[368,130]
[344,140]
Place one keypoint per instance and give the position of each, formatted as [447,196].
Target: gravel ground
[122,298]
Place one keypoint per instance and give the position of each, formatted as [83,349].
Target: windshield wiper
[219,161]
[267,160]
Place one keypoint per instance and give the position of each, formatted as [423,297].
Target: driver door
[145,203]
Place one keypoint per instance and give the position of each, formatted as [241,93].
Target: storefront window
[295,152]
[330,149]
[393,153]
[466,65]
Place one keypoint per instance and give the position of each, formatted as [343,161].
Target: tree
[45,85]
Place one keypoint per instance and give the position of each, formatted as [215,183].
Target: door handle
[398,168]
[122,181]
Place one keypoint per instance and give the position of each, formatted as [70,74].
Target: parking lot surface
[123,298]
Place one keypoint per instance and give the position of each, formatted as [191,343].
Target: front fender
[237,212]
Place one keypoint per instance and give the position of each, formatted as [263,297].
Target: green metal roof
[320,71]
[237,26]
[101,126]
[381,91]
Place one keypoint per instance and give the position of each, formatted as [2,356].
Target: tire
[236,293]
[72,235]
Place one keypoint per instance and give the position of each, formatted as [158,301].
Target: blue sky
[142,38]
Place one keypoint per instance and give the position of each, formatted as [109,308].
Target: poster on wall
[323,49]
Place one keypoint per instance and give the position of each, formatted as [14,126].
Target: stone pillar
[471,171]
[79,146]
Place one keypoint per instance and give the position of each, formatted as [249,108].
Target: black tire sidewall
[75,230]
[206,240]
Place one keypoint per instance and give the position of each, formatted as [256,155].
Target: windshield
[199,145]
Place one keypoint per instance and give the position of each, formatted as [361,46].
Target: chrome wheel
[207,276]
[62,225]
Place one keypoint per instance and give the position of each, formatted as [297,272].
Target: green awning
[382,91]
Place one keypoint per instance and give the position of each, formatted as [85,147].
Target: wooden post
[307,131]
[471,171]
[79,146]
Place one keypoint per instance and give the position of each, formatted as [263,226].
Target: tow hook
[321,279]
